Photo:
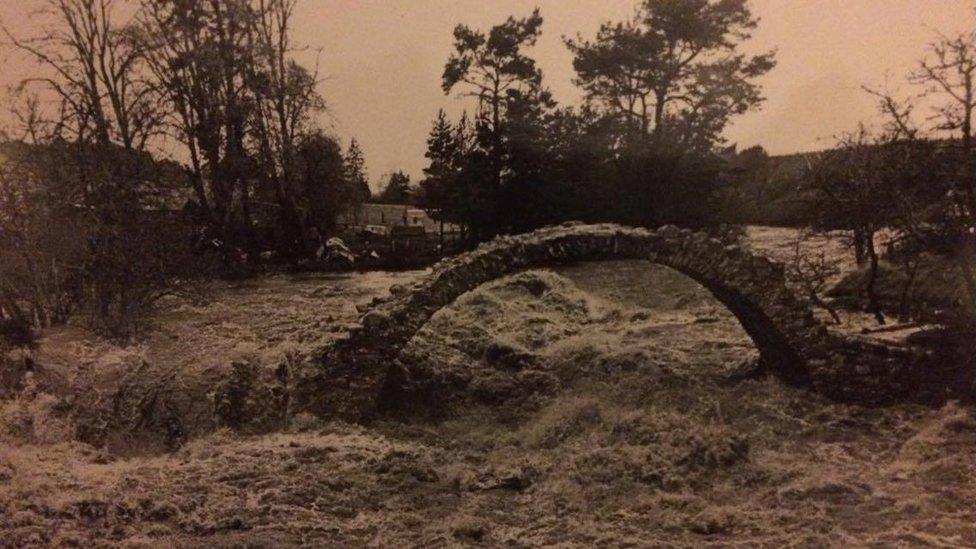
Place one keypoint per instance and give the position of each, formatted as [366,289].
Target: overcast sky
[383,59]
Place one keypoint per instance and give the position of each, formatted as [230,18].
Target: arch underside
[790,340]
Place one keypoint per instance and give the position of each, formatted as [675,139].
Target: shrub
[16,333]
[91,228]
[135,263]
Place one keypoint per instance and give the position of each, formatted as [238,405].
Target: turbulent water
[594,405]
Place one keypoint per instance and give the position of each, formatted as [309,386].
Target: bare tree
[896,112]
[812,271]
[199,55]
[849,184]
[948,75]
[38,258]
[87,171]
[286,101]
[96,67]
[240,103]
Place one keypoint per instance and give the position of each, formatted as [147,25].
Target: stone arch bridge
[792,342]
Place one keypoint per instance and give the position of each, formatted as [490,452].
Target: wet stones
[376,319]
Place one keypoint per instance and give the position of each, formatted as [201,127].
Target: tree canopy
[674,70]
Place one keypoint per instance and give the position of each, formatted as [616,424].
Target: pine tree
[440,149]
[397,189]
[494,68]
[355,172]
[445,153]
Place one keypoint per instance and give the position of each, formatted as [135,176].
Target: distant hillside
[765,190]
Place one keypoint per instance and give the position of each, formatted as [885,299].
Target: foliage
[760,189]
[323,188]
[908,181]
[494,69]
[397,189]
[91,229]
[40,261]
[948,76]
[674,70]
[14,333]
[354,172]
[199,57]
[622,156]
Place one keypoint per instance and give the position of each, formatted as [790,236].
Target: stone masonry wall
[356,372]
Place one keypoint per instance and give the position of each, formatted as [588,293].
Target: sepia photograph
[487,273]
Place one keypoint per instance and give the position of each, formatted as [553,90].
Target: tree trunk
[968,271]
[874,306]
[659,104]
[816,300]
[250,242]
[860,250]
[496,163]
[292,228]
[904,305]
[969,158]
[195,175]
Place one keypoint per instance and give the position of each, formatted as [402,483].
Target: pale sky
[383,59]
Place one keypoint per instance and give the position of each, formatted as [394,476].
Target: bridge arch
[790,339]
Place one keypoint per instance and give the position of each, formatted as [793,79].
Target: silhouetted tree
[531,195]
[285,103]
[443,155]
[397,189]
[96,76]
[447,192]
[674,71]
[325,192]
[241,104]
[494,69]
[948,75]
[355,171]
[851,193]
[201,57]
[89,176]
[811,271]
[669,80]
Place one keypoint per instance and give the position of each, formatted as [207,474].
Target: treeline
[645,148]
[89,219]
[659,88]
[766,189]
[221,80]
